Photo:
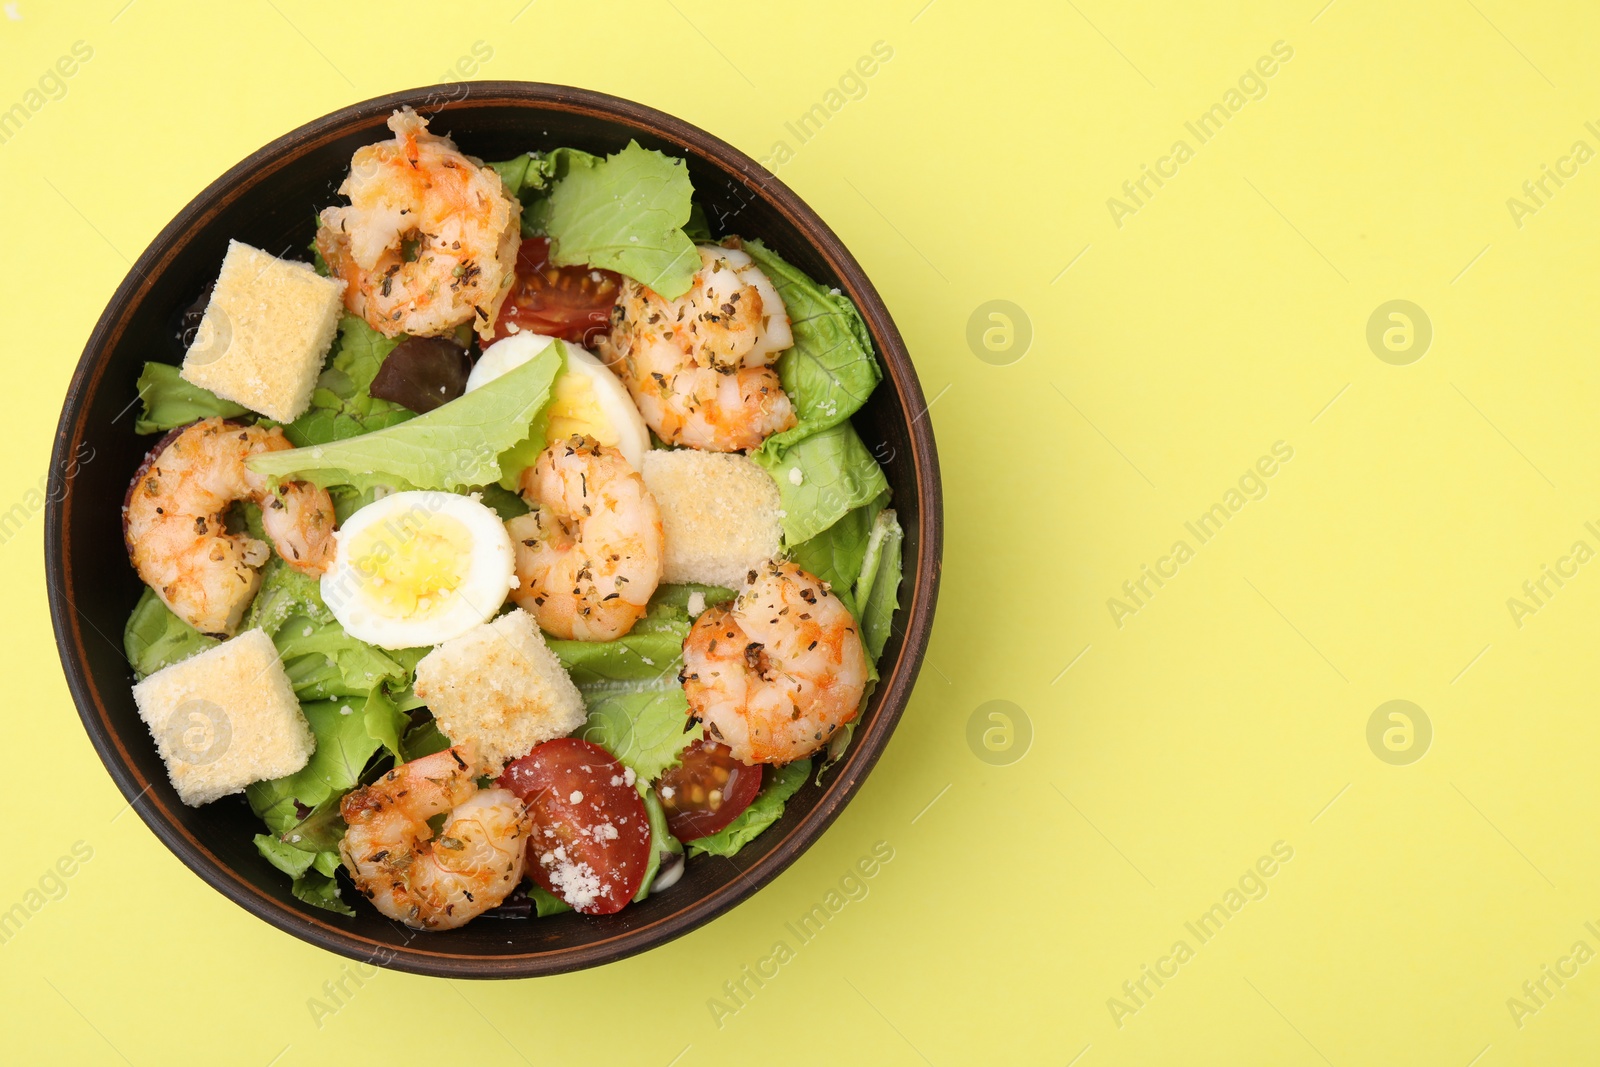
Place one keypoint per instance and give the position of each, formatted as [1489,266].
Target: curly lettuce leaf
[167,401]
[341,405]
[624,213]
[763,811]
[821,479]
[155,638]
[456,445]
[830,371]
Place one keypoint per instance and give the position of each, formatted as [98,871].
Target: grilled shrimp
[589,554]
[776,672]
[428,882]
[699,366]
[430,238]
[173,521]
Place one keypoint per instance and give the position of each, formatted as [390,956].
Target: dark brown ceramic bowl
[268,201]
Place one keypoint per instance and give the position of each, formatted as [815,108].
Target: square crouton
[720,512]
[225,718]
[265,333]
[499,688]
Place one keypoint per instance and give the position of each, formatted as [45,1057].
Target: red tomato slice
[706,791]
[572,303]
[591,835]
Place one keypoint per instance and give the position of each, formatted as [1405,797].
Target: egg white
[505,356]
[389,551]
[624,427]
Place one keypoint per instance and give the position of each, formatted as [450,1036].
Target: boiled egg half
[418,568]
[586,397]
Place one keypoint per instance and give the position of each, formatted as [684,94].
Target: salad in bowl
[510,549]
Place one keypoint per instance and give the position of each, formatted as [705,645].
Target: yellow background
[1229,713]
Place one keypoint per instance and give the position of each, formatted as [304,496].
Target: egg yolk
[412,568]
[574,409]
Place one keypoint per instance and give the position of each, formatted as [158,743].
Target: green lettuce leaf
[877,589]
[155,638]
[836,554]
[698,228]
[530,177]
[830,371]
[836,475]
[341,407]
[649,655]
[545,902]
[507,504]
[637,710]
[167,401]
[646,655]
[313,873]
[644,730]
[424,739]
[345,745]
[763,811]
[284,593]
[322,661]
[456,445]
[525,453]
[624,213]
[661,840]
[873,599]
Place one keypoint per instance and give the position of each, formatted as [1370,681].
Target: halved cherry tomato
[706,791]
[572,303]
[591,834]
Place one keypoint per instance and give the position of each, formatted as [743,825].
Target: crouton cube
[225,718]
[720,513]
[265,333]
[500,689]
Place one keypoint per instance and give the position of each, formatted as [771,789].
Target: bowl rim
[897,679]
